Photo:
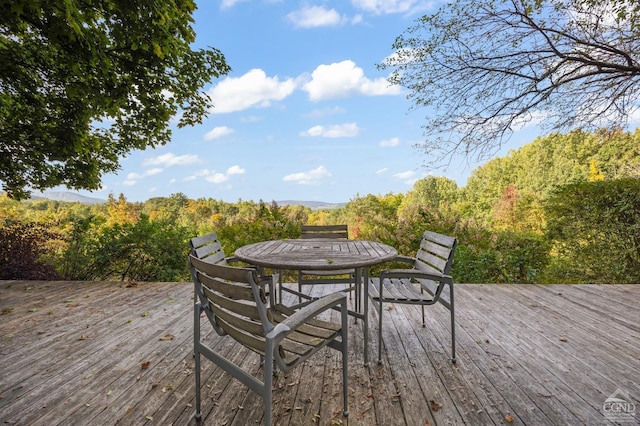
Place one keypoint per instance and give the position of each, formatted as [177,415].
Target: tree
[485,68]
[595,229]
[434,192]
[84,83]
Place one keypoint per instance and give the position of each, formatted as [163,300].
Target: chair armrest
[414,273]
[234,259]
[405,259]
[308,312]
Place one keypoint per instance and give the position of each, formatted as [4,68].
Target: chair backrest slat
[238,322]
[226,289]
[235,307]
[204,240]
[249,340]
[208,247]
[325,231]
[437,249]
[436,253]
[430,259]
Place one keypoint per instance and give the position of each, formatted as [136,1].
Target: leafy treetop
[83,83]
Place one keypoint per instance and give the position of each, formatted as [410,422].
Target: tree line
[564,208]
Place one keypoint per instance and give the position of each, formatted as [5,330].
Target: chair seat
[307,338]
[404,291]
[397,290]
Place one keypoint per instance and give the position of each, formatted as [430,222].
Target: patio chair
[422,283]
[235,302]
[341,276]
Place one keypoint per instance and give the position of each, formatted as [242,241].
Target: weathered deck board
[76,353]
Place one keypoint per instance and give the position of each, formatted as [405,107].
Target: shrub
[22,249]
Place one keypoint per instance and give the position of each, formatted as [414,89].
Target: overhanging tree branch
[483,69]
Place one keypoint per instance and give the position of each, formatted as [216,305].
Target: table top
[316,254]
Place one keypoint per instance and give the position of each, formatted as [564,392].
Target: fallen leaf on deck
[83,337]
[563,339]
[435,406]
[508,418]
[167,337]
[145,365]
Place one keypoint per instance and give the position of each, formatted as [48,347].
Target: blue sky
[304,114]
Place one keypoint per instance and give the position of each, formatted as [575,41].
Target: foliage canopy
[84,83]
[485,68]
[564,208]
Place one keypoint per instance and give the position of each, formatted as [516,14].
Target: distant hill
[315,205]
[70,197]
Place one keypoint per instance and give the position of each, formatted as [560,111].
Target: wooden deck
[96,353]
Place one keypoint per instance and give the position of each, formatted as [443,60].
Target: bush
[141,251]
[500,257]
[595,231]
[22,249]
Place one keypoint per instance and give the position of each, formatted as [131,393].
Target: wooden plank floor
[96,353]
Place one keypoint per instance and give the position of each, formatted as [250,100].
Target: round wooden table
[323,255]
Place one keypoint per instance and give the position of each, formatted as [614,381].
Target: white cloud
[133,178]
[380,7]
[405,175]
[312,177]
[634,115]
[252,89]
[341,79]
[171,159]
[218,132]
[390,142]
[347,130]
[534,118]
[382,171]
[226,4]
[216,177]
[314,16]
[235,170]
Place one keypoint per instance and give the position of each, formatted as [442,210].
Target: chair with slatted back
[422,283]
[235,302]
[342,276]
